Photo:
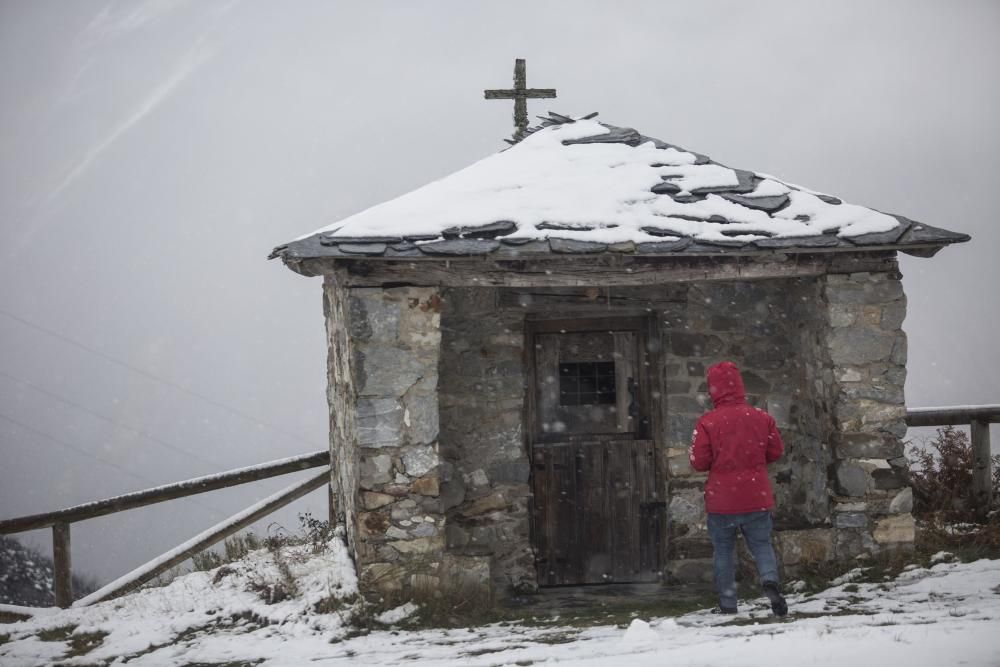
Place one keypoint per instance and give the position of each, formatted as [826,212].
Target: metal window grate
[587,383]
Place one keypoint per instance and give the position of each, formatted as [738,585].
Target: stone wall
[439,465]
[867,350]
[486,495]
[773,331]
[395,485]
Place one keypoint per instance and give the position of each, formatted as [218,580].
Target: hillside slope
[26,576]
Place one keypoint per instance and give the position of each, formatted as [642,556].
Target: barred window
[587,383]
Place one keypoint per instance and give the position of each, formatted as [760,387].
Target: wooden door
[596,513]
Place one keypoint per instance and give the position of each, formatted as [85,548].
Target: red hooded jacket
[734,443]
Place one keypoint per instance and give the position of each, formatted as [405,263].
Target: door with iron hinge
[597,498]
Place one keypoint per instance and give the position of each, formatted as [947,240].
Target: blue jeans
[756,529]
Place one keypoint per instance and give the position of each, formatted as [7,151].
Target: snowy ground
[948,614]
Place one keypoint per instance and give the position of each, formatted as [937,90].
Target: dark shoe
[724,610]
[778,604]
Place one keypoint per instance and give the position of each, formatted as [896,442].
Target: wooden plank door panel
[596,516]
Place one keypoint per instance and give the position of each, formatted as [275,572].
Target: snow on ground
[943,615]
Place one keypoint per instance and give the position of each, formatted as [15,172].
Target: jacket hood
[725,384]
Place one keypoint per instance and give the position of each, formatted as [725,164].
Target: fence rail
[60,520]
[979,418]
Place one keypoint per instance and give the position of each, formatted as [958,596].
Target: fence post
[982,482]
[61,565]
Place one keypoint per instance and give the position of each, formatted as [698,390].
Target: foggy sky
[152,154]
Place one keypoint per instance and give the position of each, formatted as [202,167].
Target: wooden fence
[60,520]
[979,418]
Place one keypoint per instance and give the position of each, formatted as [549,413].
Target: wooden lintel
[600,271]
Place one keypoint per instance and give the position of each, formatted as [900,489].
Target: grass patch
[934,535]
[557,638]
[84,642]
[619,610]
[59,634]
[4,638]
[790,618]
[11,617]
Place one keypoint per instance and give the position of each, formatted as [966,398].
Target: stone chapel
[517,357]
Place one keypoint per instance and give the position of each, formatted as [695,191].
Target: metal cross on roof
[520,94]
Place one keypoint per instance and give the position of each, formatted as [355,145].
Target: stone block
[871,315]
[889,478]
[780,407]
[874,391]
[418,460]
[848,374]
[468,575]
[867,446]
[694,345]
[424,530]
[902,502]
[452,491]
[859,345]
[489,503]
[425,584]
[456,536]
[805,547]
[383,577]
[755,384]
[373,524]
[851,479]
[897,529]
[849,543]
[371,317]
[871,290]
[687,508]
[772,356]
[371,500]
[379,422]
[850,520]
[680,430]
[691,547]
[679,465]
[420,417]
[893,315]
[384,371]
[426,486]
[842,315]
[880,414]
[420,545]
[396,533]
[375,470]
[510,472]
[684,404]
[899,350]
[675,386]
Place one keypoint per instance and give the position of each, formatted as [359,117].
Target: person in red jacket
[734,443]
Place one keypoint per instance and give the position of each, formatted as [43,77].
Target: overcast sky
[152,153]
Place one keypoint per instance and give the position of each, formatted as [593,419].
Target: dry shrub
[941,477]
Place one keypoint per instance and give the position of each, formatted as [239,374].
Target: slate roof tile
[576,186]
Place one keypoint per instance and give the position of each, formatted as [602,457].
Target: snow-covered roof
[581,186]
